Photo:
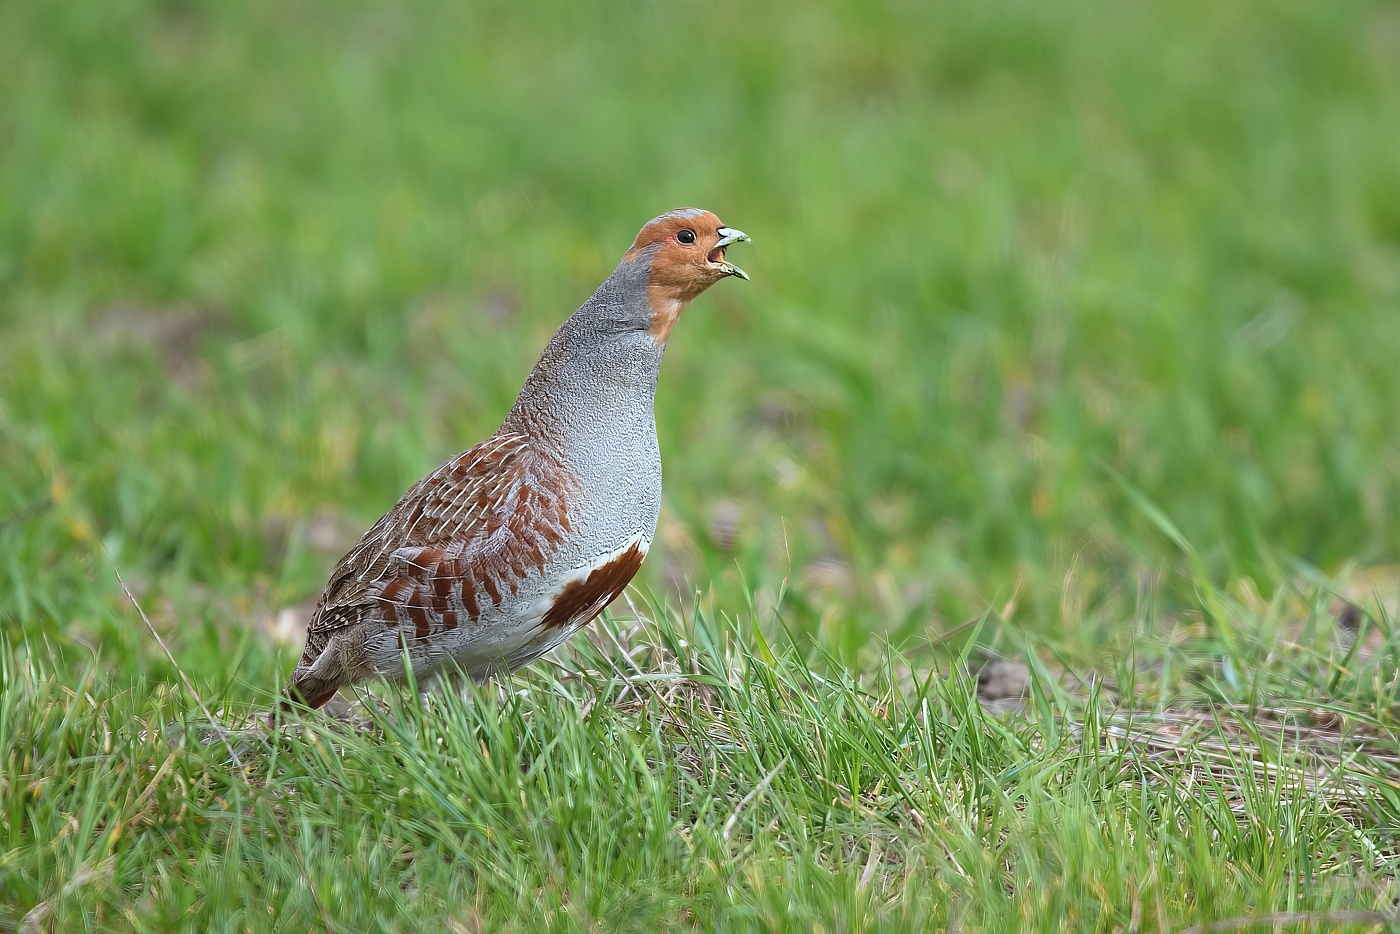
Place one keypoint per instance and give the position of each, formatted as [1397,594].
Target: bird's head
[684,250]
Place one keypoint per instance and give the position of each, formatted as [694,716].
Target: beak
[728,235]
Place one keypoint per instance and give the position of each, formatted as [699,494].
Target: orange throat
[666,310]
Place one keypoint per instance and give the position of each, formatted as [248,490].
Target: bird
[502,553]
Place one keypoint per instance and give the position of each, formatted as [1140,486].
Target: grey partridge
[505,551]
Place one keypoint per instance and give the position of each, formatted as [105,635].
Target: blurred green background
[262,265]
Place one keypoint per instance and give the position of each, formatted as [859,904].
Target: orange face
[689,247]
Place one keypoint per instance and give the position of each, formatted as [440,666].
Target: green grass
[1071,339]
[668,783]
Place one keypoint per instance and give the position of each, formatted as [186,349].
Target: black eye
[686,236]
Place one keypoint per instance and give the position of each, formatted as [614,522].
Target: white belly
[525,625]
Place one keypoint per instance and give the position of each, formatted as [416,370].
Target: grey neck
[594,386]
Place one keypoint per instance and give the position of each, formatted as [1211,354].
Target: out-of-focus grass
[1034,285]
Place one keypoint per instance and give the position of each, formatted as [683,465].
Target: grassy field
[1072,342]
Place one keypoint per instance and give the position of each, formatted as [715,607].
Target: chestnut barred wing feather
[452,546]
[455,501]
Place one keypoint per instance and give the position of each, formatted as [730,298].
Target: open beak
[728,235]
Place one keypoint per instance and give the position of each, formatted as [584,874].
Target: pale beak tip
[729,235]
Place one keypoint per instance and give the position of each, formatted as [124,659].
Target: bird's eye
[686,236]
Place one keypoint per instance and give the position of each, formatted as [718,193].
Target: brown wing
[452,545]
